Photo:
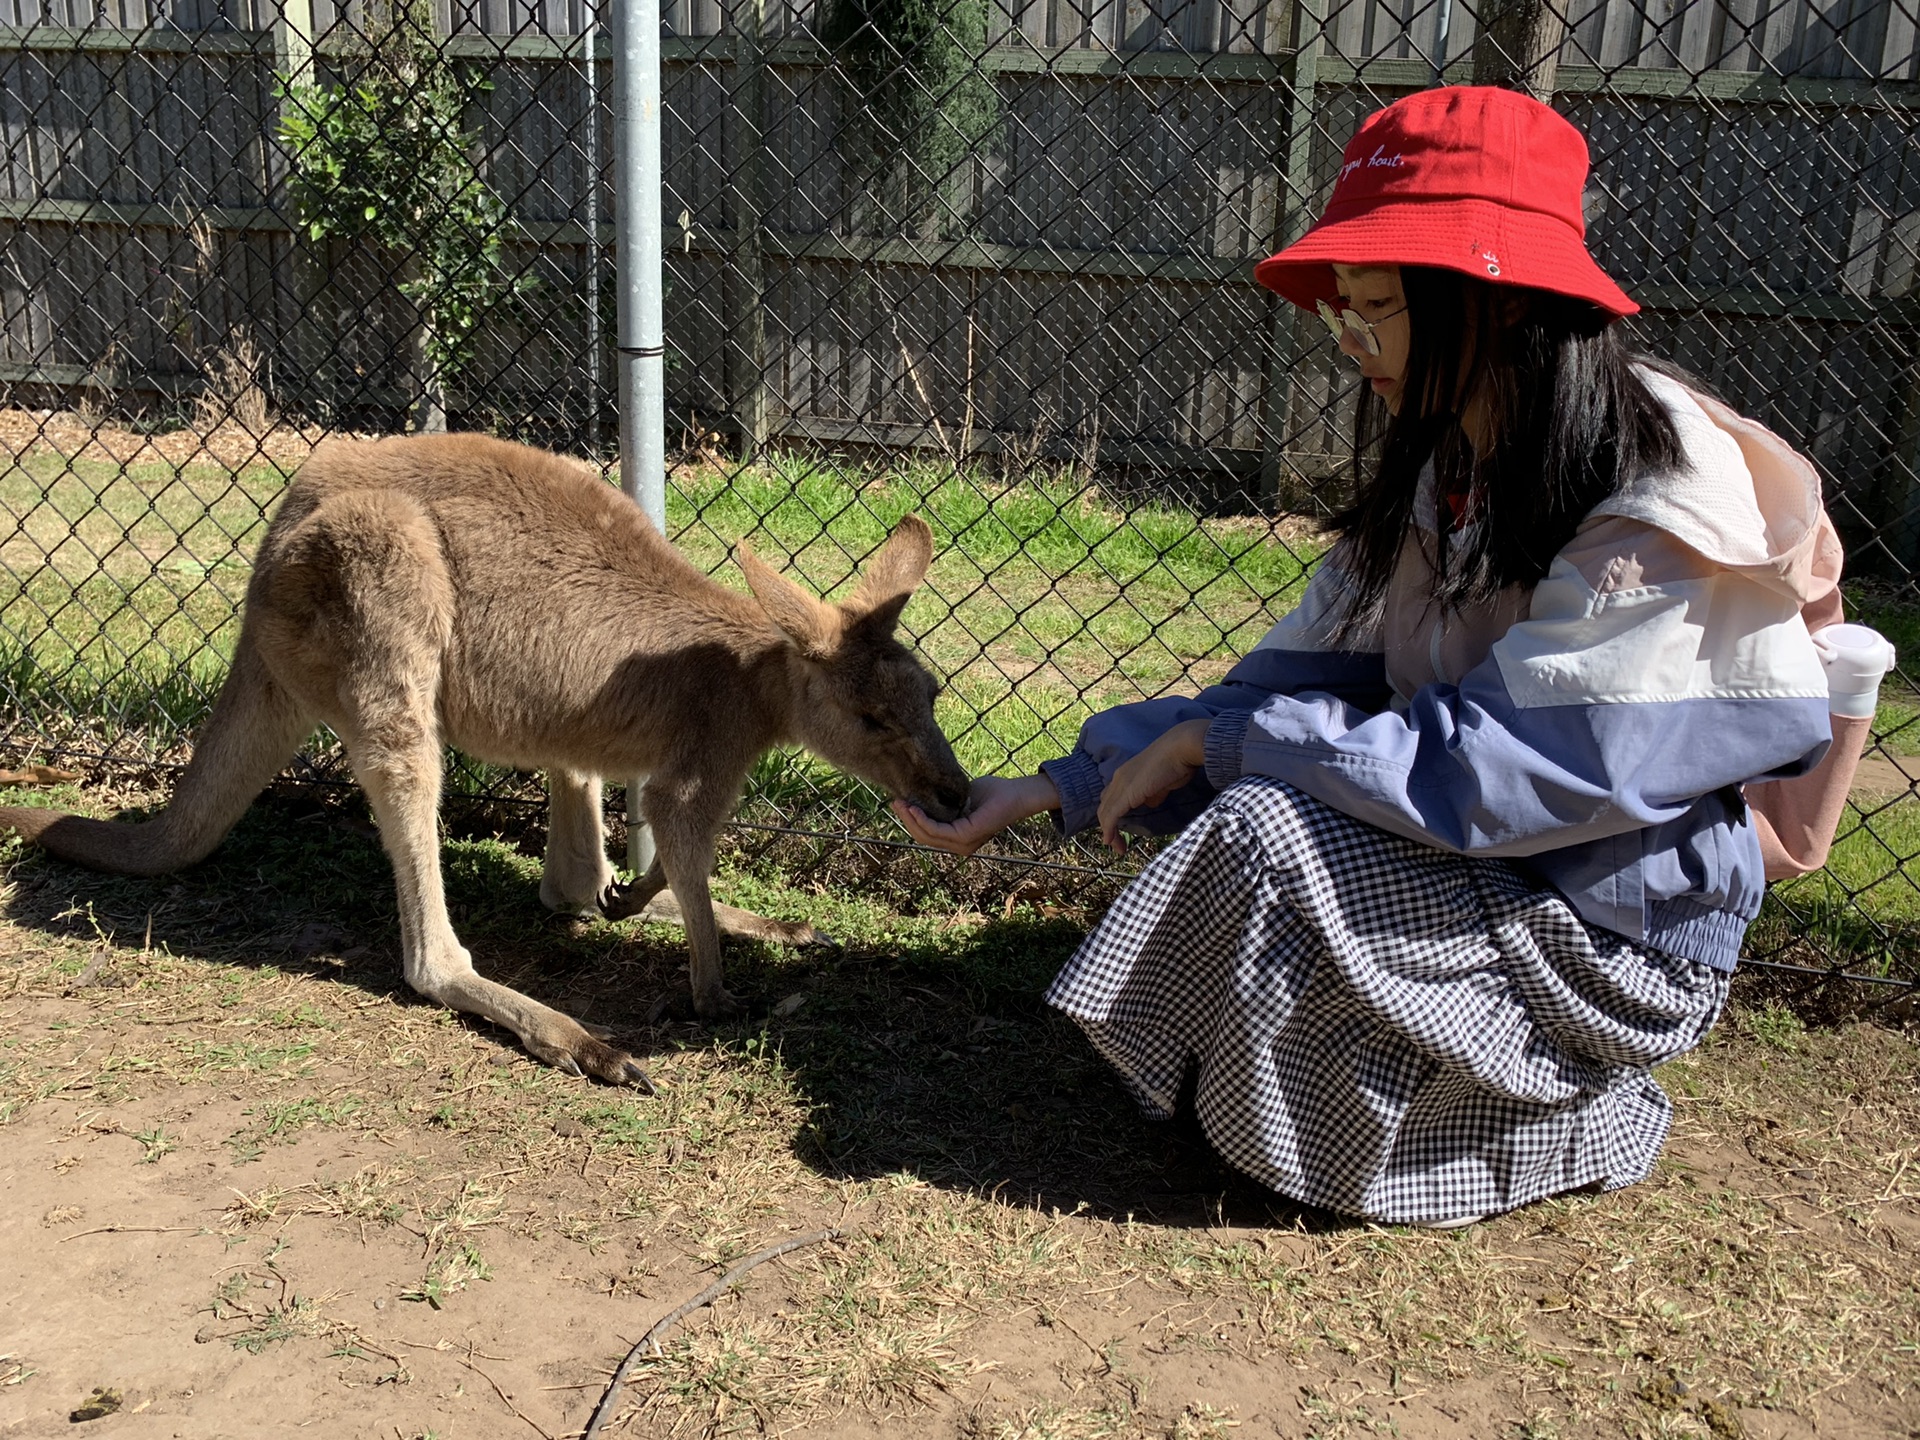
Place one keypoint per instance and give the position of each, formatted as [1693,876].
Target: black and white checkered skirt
[1380,1028]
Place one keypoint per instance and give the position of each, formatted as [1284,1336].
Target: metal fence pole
[643,351]
[591,206]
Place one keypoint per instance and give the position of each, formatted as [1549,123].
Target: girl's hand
[1152,775]
[993,804]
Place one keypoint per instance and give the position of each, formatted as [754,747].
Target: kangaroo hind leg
[384,606]
[398,764]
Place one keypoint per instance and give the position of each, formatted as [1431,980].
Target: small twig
[507,1400]
[913,374]
[133,1230]
[356,1339]
[1049,1319]
[608,1401]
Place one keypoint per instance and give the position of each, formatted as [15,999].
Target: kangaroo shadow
[942,1061]
[302,885]
[936,1059]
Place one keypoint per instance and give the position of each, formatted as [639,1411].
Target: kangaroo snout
[945,802]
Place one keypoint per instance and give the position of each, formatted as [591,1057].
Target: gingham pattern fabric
[1383,1029]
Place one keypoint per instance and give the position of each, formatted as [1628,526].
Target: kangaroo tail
[255,729]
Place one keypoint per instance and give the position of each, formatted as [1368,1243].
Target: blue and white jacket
[1594,729]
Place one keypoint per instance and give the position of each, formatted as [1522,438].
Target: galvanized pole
[643,346]
[1440,43]
[591,206]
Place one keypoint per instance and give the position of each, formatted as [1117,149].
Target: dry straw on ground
[235,432]
[220,1072]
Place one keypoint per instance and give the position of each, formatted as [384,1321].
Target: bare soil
[252,1187]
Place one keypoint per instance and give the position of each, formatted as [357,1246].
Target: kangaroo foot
[599,1061]
[622,900]
[718,1003]
[583,1050]
[730,920]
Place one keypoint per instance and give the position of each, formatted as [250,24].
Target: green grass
[1863,908]
[1047,601]
[130,580]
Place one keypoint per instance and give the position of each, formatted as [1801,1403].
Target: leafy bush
[382,157]
[919,103]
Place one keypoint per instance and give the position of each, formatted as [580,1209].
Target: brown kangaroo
[418,592]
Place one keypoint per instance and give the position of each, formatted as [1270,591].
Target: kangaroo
[422,591]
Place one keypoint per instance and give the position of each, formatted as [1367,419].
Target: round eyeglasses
[1343,322]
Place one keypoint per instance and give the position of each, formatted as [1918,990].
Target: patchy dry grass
[1021,1257]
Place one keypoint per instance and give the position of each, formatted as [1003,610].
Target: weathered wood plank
[1117,215]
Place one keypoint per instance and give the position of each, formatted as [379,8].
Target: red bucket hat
[1467,178]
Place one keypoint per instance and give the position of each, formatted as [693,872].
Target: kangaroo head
[867,703]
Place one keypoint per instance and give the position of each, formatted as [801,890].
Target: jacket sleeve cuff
[1226,740]
[1077,778]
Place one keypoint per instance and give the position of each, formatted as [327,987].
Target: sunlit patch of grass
[155,1143]
[129,581]
[1862,910]
[1046,599]
[282,1120]
[448,1273]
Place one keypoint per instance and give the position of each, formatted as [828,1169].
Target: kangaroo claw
[621,901]
[591,1058]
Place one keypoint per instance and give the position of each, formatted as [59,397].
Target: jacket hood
[1743,497]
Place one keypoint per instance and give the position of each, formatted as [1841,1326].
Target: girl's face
[1374,293]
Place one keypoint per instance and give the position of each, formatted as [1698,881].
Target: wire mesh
[984,259]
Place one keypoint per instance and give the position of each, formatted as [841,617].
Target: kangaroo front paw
[585,1055]
[621,901]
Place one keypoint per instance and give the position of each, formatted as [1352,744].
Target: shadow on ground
[932,1057]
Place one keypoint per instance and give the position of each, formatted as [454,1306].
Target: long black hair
[1568,419]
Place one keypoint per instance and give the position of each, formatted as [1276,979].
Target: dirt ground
[250,1186]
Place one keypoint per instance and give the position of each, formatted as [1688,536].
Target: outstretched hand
[1152,775]
[993,804]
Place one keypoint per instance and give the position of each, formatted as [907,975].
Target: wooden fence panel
[1084,273]
[122,129]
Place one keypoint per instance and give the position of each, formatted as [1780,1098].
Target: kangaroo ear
[892,576]
[810,623]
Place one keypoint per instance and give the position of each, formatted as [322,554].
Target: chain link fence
[988,260]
